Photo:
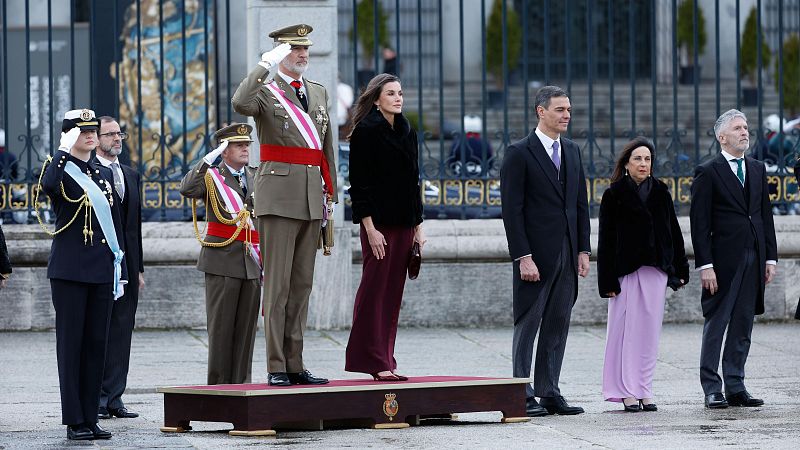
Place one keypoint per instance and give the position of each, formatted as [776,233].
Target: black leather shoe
[716,401]
[102,413]
[558,405]
[533,408]
[278,379]
[305,377]
[79,433]
[744,399]
[97,432]
[650,407]
[122,413]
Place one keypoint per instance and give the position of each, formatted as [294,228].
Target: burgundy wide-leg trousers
[370,348]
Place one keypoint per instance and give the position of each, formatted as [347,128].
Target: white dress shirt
[734,166]
[547,142]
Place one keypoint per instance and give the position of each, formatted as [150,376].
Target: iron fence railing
[166,69]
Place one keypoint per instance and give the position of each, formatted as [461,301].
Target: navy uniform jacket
[71,259]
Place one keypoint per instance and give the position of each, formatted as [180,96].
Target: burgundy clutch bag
[414,261]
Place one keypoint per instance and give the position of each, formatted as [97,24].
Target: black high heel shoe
[649,407]
[389,378]
[631,408]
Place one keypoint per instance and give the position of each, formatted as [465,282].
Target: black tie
[303,100]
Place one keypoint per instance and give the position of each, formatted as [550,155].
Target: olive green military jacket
[231,260]
[283,189]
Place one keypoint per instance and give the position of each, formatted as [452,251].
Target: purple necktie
[555,157]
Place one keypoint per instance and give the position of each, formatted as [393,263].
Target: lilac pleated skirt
[634,326]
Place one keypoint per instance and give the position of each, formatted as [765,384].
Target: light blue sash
[103,213]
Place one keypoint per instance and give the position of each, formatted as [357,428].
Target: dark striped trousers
[549,315]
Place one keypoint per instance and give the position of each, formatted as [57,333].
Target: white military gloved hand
[69,139]
[214,154]
[276,55]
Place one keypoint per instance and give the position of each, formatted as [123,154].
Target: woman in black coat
[640,252]
[387,202]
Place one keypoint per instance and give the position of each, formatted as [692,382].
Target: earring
[626,172]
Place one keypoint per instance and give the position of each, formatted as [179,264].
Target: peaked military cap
[293,34]
[84,119]
[235,132]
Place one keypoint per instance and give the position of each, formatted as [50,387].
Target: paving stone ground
[30,411]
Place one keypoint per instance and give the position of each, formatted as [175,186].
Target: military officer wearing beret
[296,177]
[229,255]
[86,269]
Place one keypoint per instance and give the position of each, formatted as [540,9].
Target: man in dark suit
[86,269]
[736,253]
[127,188]
[546,217]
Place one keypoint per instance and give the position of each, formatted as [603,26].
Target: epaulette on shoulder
[314,82]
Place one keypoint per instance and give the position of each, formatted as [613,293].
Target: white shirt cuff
[772,262]
[707,266]
[523,256]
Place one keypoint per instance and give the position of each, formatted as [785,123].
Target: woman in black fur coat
[640,252]
[387,202]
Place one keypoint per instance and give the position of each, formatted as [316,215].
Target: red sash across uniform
[297,155]
[223,231]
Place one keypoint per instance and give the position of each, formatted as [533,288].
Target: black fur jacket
[634,233]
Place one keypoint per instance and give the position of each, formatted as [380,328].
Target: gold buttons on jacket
[271,171]
[103,241]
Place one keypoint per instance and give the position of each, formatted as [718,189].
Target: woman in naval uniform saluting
[86,269]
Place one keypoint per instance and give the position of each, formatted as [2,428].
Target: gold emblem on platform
[302,30]
[390,406]
[86,115]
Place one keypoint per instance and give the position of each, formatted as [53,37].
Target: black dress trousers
[82,317]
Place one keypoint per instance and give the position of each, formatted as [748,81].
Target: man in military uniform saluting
[86,269]
[229,256]
[296,178]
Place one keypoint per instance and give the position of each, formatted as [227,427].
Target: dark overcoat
[538,211]
[722,216]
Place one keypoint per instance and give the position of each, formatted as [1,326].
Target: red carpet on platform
[337,383]
[257,409]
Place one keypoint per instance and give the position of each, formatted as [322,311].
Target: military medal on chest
[321,118]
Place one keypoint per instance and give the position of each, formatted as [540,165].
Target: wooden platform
[259,409]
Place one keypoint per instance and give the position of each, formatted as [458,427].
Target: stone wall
[465,280]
